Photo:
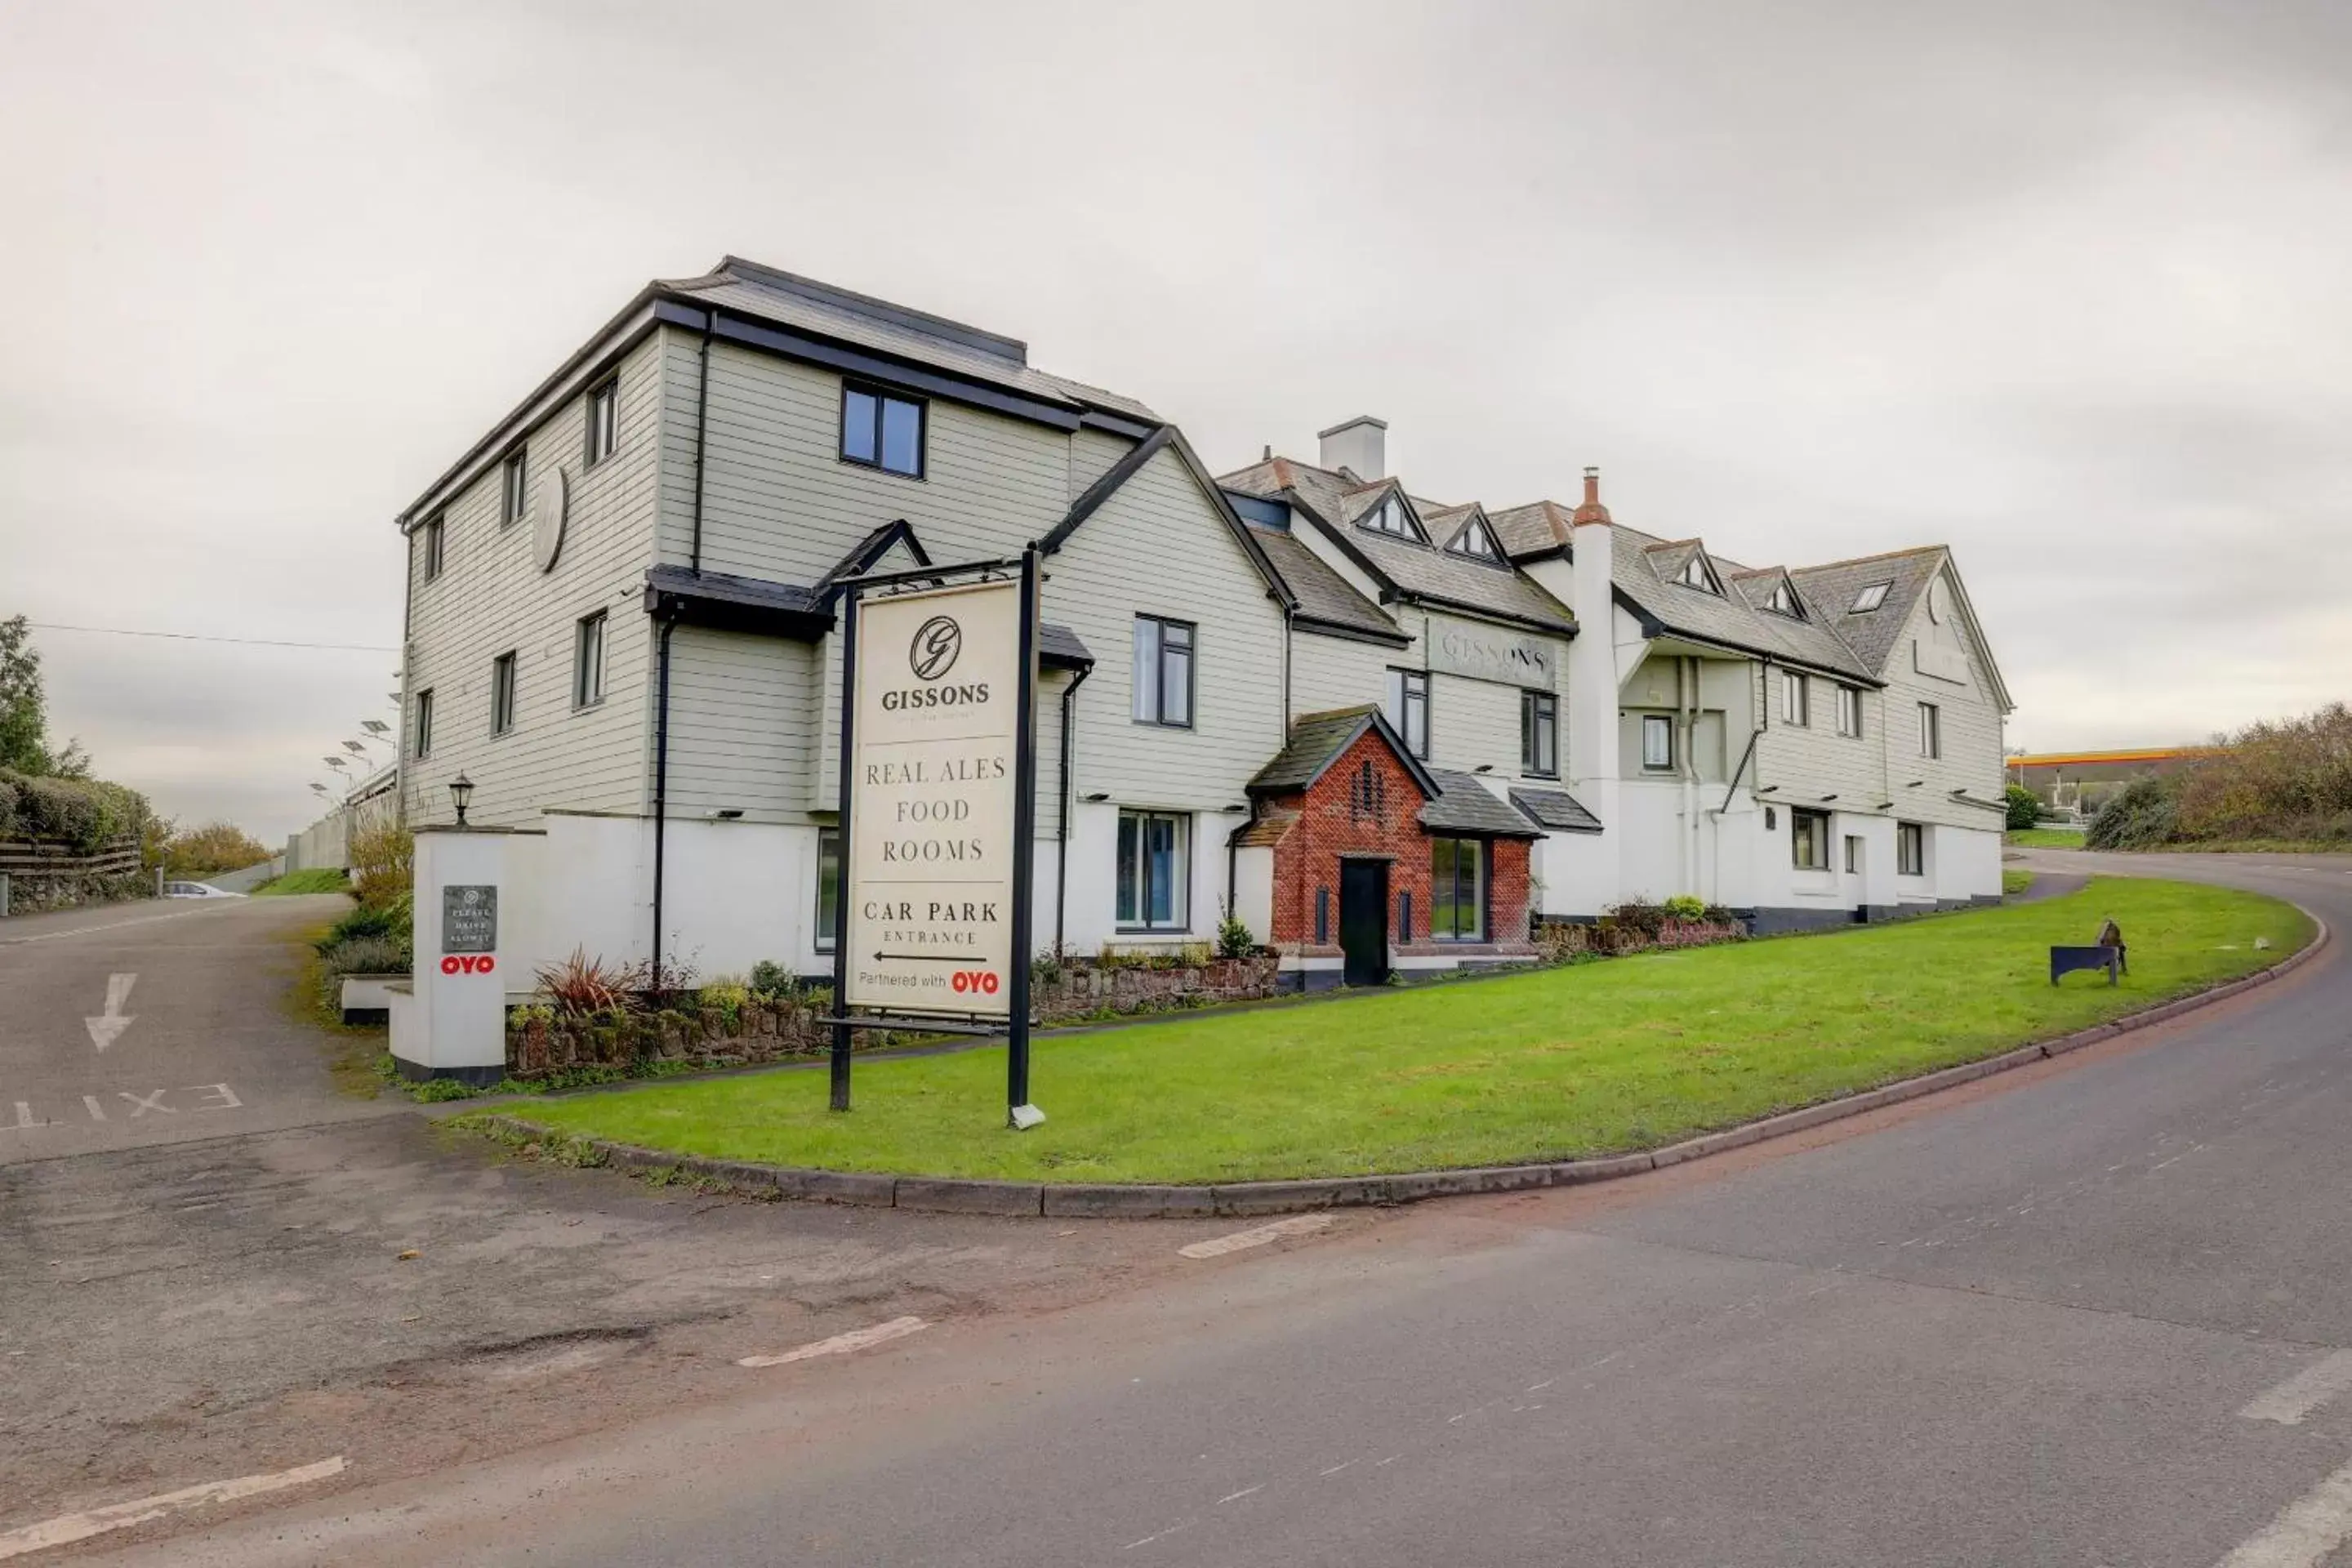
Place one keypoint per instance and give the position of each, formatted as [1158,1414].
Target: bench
[2109,953]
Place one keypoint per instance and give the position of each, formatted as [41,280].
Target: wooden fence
[31,859]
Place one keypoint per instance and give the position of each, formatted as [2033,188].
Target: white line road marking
[842,1345]
[2304,1393]
[75,1526]
[1337,1469]
[1242,1240]
[112,925]
[217,1097]
[1236,1496]
[141,1104]
[2306,1531]
[107,1028]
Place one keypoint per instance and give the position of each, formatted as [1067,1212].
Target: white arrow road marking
[74,1527]
[2306,1531]
[842,1345]
[104,1031]
[2304,1393]
[1241,1240]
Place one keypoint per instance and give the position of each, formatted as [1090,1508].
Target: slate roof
[1322,594]
[769,294]
[1315,743]
[1534,527]
[1465,806]
[1645,569]
[791,609]
[1831,590]
[1556,809]
[1411,570]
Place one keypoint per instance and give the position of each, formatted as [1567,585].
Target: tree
[23,712]
[215,847]
[2024,808]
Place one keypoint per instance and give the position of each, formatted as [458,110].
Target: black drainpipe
[1069,796]
[701,429]
[661,789]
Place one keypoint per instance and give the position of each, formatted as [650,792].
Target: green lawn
[1616,1055]
[2014,882]
[2047,838]
[317,879]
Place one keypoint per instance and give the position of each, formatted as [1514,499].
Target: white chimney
[1359,446]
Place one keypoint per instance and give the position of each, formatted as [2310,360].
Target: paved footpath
[2089,1313]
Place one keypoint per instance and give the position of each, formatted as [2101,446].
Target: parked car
[196,891]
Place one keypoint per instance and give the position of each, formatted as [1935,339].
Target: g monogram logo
[937,643]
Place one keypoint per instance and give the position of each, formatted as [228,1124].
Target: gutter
[661,791]
[702,438]
[1070,797]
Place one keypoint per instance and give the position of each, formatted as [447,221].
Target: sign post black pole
[841,870]
[1024,841]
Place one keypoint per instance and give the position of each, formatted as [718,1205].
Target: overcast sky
[2064,286]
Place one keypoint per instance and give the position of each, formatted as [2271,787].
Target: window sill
[587,707]
[846,461]
[1159,725]
[1170,931]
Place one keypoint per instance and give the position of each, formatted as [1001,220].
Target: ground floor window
[1457,893]
[1910,849]
[1852,856]
[1809,839]
[1154,870]
[828,885]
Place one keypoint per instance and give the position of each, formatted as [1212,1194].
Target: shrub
[2141,816]
[364,955]
[383,861]
[86,815]
[1687,906]
[1234,939]
[315,879]
[582,987]
[770,978]
[1638,915]
[1192,955]
[215,847]
[728,998]
[2024,808]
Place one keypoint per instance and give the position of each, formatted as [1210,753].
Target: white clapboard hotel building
[1386,731]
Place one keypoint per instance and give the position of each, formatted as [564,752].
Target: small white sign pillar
[455,1023]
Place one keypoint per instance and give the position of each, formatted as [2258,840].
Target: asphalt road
[2093,1312]
[199,1046]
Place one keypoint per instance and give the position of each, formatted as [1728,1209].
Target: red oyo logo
[468,963]
[978,980]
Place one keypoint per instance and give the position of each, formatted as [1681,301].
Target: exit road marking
[842,1345]
[1241,1240]
[107,1028]
[72,1527]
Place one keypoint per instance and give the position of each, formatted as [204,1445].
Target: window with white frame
[1477,540]
[1794,708]
[1540,734]
[431,548]
[1657,741]
[1697,574]
[1852,855]
[1154,870]
[1809,839]
[1407,707]
[1931,730]
[1389,517]
[1849,711]
[828,885]
[604,421]
[502,693]
[1910,849]
[512,476]
[1870,598]
[420,733]
[588,661]
[1457,893]
[1163,672]
[1784,601]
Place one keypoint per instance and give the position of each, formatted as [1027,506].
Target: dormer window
[1784,601]
[1477,540]
[1389,516]
[1698,575]
[1870,598]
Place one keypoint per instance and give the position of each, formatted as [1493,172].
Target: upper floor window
[880,431]
[511,488]
[1870,598]
[420,734]
[588,661]
[1475,539]
[1931,730]
[1795,708]
[1849,711]
[502,693]
[1540,734]
[1407,708]
[1784,601]
[604,421]
[1389,516]
[1163,672]
[432,548]
[1657,741]
[1697,574]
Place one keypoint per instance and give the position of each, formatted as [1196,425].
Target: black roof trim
[1106,485]
[1654,628]
[1555,809]
[1321,628]
[1168,437]
[730,604]
[1338,730]
[862,557]
[995,344]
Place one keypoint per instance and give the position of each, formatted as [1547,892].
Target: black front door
[1364,920]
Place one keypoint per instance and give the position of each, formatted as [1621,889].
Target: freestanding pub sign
[938,786]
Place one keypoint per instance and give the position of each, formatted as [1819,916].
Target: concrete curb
[941,1194]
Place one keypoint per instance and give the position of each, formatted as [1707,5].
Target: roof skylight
[1870,598]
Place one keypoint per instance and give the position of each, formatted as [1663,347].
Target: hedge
[84,814]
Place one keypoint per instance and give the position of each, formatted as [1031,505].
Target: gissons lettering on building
[1387,732]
